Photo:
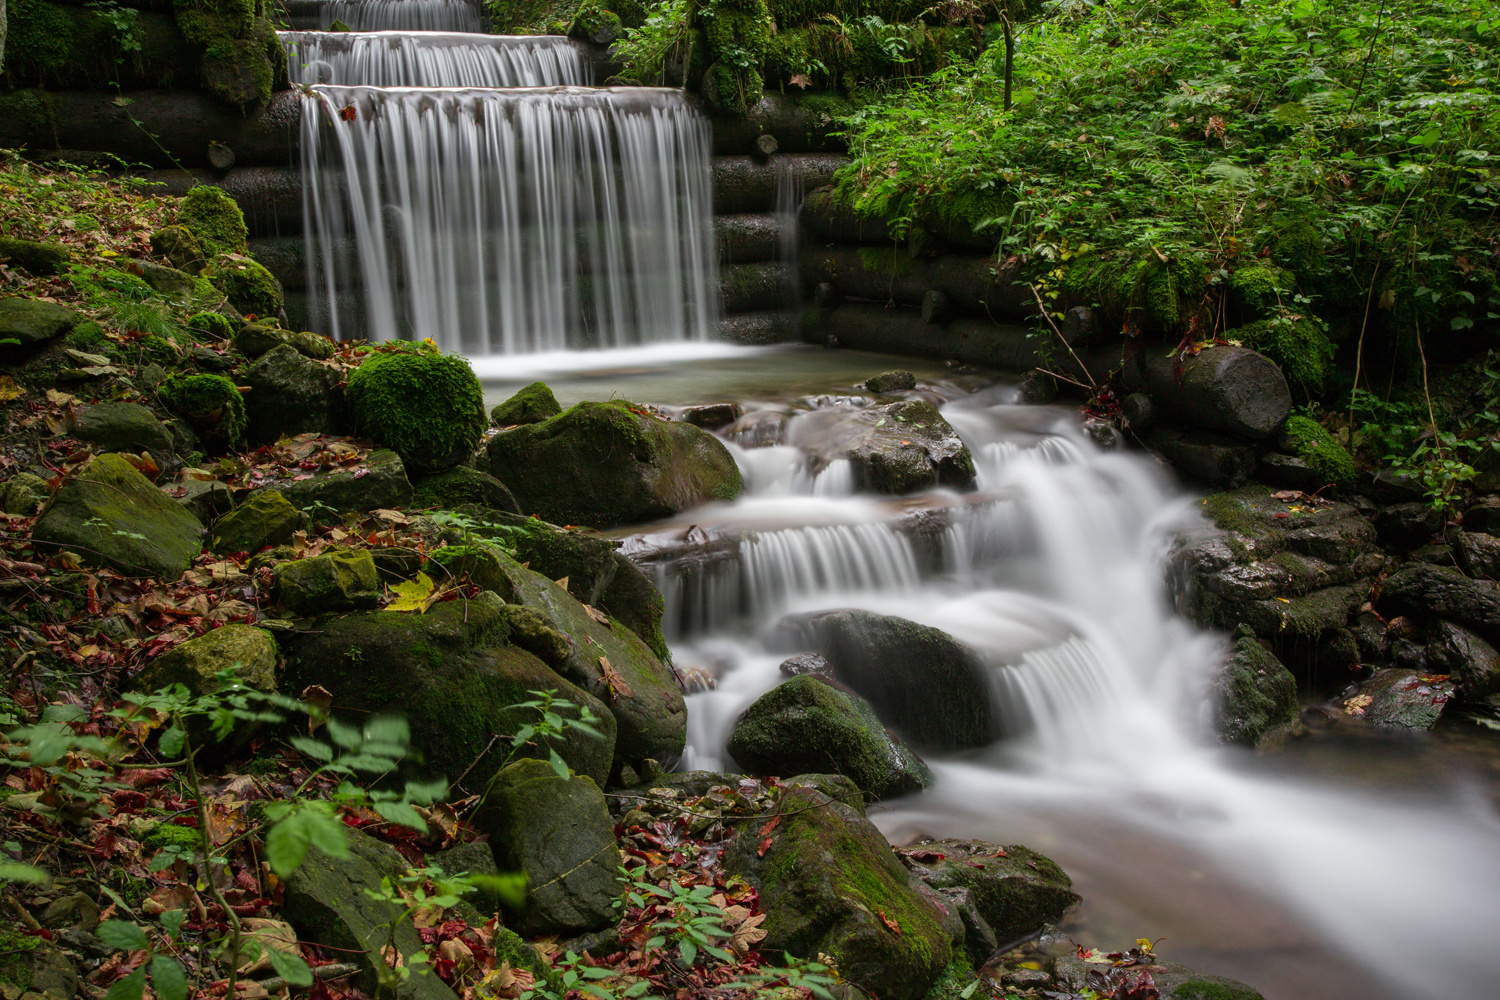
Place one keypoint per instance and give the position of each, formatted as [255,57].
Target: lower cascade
[433,59]
[509,221]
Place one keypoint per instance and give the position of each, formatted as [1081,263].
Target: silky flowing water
[1287,876]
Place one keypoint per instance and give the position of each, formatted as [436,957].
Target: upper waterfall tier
[400,15]
[434,59]
[511,221]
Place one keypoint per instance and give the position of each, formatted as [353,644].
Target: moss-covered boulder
[212,404]
[25,322]
[38,258]
[289,395]
[632,598]
[377,482]
[342,580]
[195,664]
[24,494]
[463,485]
[265,518]
[125,427]
[255,339]
[452,675]
[1251,691]
[557,831]
[928,686]
[1015,889]
[329,901]
[111,515]
[1311,442]
[179,247]
[247,285]
[807,725]
[428,407]
[830,885]
[214,219]
[530,405]
[605,464]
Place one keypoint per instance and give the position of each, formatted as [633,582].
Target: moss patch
[427,407]
[1310,441]
[214,219]
[211,403]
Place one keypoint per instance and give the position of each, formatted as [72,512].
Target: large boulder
[126,427]
[38,258]
[341,580]
[335,902]
[1473,663]
[606,464]
[1431,591]
[831,885]
[1015,890]
[257,339]
[29,322]
[112,515]
[427,407]
[1400,699]
[1478,553]
[1251,691]
[289,395]
[895,448]
[379,482]
[806,725]
[451,673]
[195,664]
[266,518]
[557,831]
[1233,390]
[636,602]
[928,686]
[460,486]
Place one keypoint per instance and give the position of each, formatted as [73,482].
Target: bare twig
[1048,317]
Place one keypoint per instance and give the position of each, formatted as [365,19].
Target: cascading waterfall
[402,15]
[510,221]
[1054,575]
[433,59]
[791,188]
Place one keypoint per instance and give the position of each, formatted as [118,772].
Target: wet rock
[195,664]
[632,598]
[463,485]
[378,482]
[1181,983]
[530,405]
[452,675]
[1388,486]
[1400,699]
[205,499]
[979,938]
[1434,554]
[711,416]
[169,281]
[112,515]
[1288,472]
[334,902]
[1421,590]
[31,322]
[1232,390]
[41,259]
[1473,663]
[342,580]
[804,664]
[920,681]
[1037,388]
[759,429]
[805,725]
[1016,890]
[126,427]
[606,464]
[291,394]
[1477,553]
[1204,457]
[559,833]
[266,518]
[892,381]
[1140,412]
[23,494]
[1408,524]
[830,885]
[1251,691]
[896,448]
[1483,515]
[257,339]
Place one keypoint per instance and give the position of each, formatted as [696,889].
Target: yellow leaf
[412,595]
[9,390]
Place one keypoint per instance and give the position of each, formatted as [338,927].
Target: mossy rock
[248,286]
[632,598]
[1015,889]
[451,674]
[1311,442]
[831,885]
[1297,344]
[596,24]
[38,258]
[806,725]
[180,248]
[28,322]
[428,407]
[125,427]
[1260,288]
[730,91]
[266,518]
[195,664]
[112,515]
[530,405]
[1252,691]
[606,464]
[214,219]
[23,494]
[463,485]
[256,339]
[341,580]
[212,404]
[289,395]
[215,326]
[378,482]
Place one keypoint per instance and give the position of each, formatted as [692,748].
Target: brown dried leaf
[617,687]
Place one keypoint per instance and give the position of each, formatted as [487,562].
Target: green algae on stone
[265,518]
[530,405]
[28,322]
[428,407]
[214,219]
[1310,441]
[195,664]
[180,247]
[38,258]
[211,403]
[341,580]
[463,485]
[1017,891]
[247,285]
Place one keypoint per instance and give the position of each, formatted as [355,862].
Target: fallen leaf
[895,928]
[597,615]
[617,687]
[267,934]
[413,595]
[9,390]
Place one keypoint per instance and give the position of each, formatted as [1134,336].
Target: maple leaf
[748,934]
[414,595]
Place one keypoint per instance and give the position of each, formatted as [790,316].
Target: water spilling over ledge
[399,15]
[462,205]
[433,59]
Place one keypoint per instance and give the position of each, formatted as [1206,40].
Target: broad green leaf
[11,871]
[172,921]
[290,967]
[122,934]
[316,749]
[132,987]
[287,844]
[392,729]
[509,888]
[402,813]
[558,765]
[344,735]
[168,980]
[172,742]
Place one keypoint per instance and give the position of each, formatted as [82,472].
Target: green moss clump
[15,957]
[1260,288]
[214,219]
[1296,343]
[211,403]
[89,336]
[429,408]
[179,247]
[530,405]
[214,325]
[171,835]
[248,286]
[1310,441]
[595,23]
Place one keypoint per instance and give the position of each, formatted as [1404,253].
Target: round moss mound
[214,220]
[211,403]
[1310,441]
[212,324]
[249,287]
[425,406]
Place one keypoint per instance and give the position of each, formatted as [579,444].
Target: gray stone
[206,499]
[891,381]
[711,416]
[805,663]
[1037,388]
[1408,524]
[1478,553]
[1400,699]
[266,518]
[1289,472]
[463,485]
[1231,390]
[168,281]
[1473,663]
[759,429]
[1203,456]
[1251,691]
[31,322]
[1431,591]
[1483,515]
[377,483]
[289,395]
[1140,412]
[530,405]
[125,427]
[1015,889]
[39,258]
[895,448]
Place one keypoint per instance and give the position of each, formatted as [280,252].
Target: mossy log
[978,286]
[1230,389]
[900,330]
[748,184]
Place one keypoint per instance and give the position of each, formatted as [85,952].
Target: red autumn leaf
[975,864]
[926,856]
[894,927]
[771,825]
[347,113]
[765,845]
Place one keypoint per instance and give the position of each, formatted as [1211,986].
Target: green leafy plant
[168,978]
[551,726]
[695,925]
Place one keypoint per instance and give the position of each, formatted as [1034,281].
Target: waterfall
[510,221]
[791,189]
[402,15]
[433,59]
